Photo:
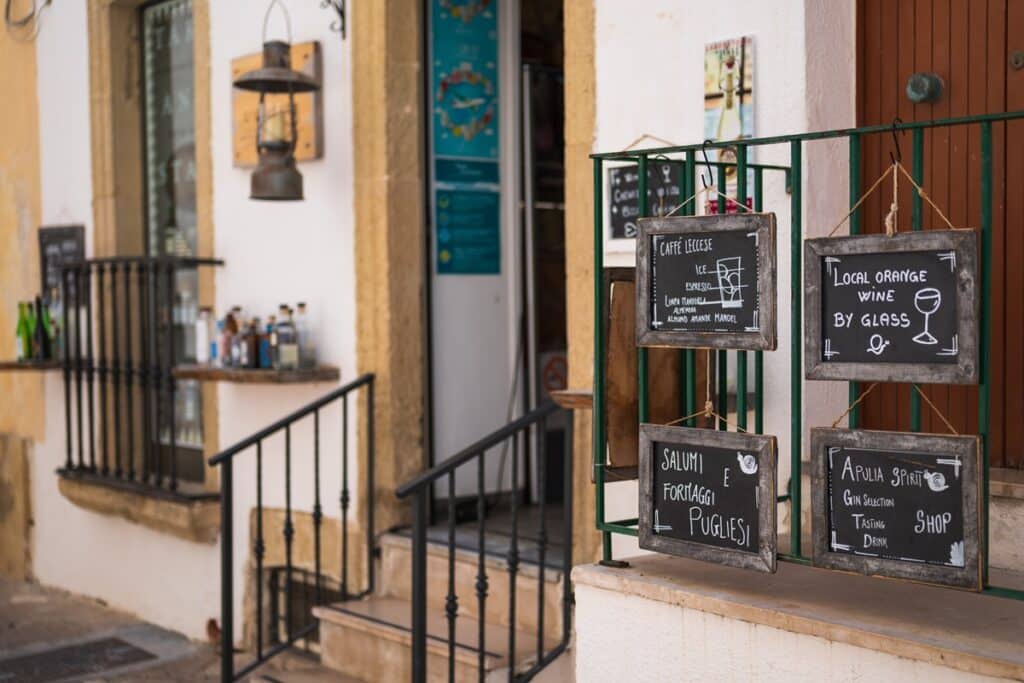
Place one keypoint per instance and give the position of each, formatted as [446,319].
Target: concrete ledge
[193,519]
[1006,483]
[967,632]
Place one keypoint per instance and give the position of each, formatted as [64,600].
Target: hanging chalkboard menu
[707,281]
[708,495]
[895,309]
[664,179]
[59,245]
[897,504]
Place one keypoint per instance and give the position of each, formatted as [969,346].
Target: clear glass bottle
[304,335]
[287,343]
[202,334]
[56,321]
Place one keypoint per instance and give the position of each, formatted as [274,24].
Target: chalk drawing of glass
[927,301]
[730,285]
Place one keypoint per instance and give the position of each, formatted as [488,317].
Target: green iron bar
[722,366]
[984,332]
[759,355]
[690,176]
[917,170]
[853,388]
[641,353]
[796,343]
[597,405]
[684,370]
[741,356]
[820,135]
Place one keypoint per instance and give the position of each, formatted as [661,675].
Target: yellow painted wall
[21,393]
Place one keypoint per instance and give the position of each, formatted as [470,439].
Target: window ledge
[969,632]
[192,517]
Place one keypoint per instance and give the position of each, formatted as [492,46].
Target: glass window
[170,206]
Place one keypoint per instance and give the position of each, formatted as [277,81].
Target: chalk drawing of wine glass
[936,481]
[748,463]
[927,301]
[730,285]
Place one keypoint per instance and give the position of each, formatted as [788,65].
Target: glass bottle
[22,335]
[264,346]
[307,349]
[42,334]
[202,335]
[56,320]
[287,344]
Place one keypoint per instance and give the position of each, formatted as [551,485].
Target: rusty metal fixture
[276,178]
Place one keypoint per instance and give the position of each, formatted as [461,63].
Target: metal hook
[898,158]
[707,164]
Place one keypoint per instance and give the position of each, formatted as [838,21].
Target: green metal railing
[794,181]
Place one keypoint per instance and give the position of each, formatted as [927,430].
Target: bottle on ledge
[56,317]
[22,334]
[307,349]
[42,349]
[287,357]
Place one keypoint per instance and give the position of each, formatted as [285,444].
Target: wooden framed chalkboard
[894,309]
[58,246]
[664,183]
[708,495]
[707,282]
[898,505]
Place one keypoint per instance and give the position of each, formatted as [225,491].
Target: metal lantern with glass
[276,177]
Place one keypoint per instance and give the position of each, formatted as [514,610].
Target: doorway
[496,237]
[972,50]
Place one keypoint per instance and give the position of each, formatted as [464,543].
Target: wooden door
[968,43]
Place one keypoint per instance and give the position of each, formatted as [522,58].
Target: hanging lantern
[276,178]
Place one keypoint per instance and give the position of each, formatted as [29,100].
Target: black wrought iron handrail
[269,644]
[119,349]
[512,435]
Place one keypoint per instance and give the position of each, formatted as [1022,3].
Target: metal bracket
[338,25]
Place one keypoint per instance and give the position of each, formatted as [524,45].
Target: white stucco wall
[285,252]
[650,64]
[623,637]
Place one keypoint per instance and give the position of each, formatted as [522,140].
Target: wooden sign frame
[766,336]
[967,448]
[962,242]
[765,449]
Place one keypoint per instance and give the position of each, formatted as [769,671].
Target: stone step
[396,581]
[291,667]
[371,640]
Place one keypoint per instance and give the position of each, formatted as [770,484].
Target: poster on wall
[464,136]
[728,108]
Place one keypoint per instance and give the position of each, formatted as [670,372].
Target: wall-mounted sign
[309,117]
[707,281]
[895,309]
[664,179]
[60,245]
[897,504]
[464,144]
[708,495]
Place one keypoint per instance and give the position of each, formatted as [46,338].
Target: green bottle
[42,333]
[23,333]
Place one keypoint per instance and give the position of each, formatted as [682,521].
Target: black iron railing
[282,628]
[122,336]
[515,436]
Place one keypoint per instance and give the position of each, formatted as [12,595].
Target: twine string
[710,188]
[936,410]
[708,412]
[853,405]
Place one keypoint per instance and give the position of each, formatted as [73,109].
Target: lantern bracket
[338,25]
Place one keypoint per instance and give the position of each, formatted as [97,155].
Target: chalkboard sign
[707,281]
[895,309]
[59,245]
[897,504]
[708,495]
[664,179]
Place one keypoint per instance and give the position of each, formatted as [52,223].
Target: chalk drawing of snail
[748,463]
[936,481]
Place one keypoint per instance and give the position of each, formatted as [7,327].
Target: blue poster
[464,102]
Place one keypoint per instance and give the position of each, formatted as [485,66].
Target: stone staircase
[370,639]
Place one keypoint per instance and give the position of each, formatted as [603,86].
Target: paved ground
[36,620]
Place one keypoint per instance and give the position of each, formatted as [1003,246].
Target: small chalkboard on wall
[898,505]
[707,282]
[664,180]
[59,245]
[708,495]
[898,308]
